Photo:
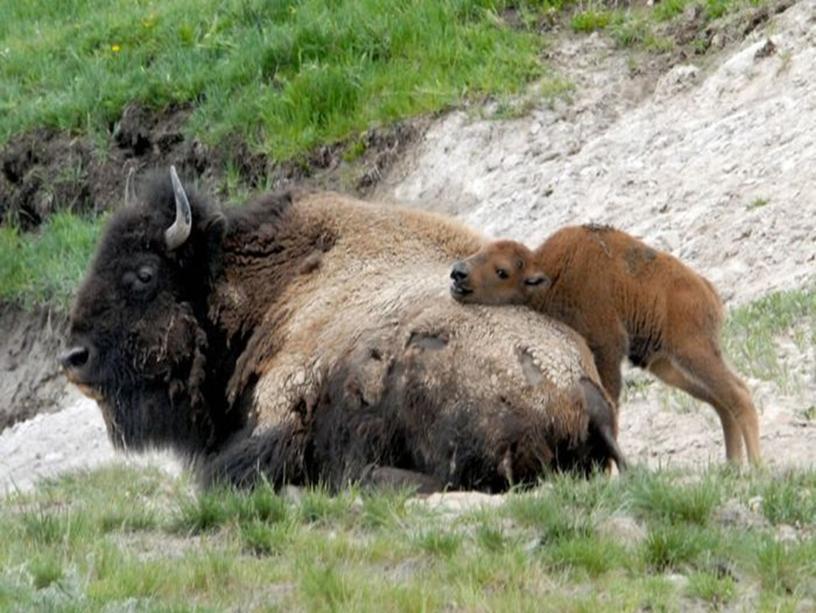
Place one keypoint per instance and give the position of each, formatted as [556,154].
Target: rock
[786,534]
[679,78]
[622,529]
[679,581]
[456,503]
[292,493]
[718,40]
[735,513]
[766,50]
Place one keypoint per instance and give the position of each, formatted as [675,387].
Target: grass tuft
[671,547]
[656,497]
[439,542]
[45,570]
[790,499]
[45,268]
[591,20]
[214,508]
[715,590]
[751,331]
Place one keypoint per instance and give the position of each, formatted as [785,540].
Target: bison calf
[625,299]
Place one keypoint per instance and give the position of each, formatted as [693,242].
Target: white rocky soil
[716,164]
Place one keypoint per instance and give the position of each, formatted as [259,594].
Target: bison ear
[537,281]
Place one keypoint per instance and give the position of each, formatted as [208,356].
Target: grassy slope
[119,538]
[286,75]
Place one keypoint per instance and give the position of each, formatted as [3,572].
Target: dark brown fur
[627,300]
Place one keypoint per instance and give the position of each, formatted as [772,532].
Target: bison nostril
[459,272]
[74,358]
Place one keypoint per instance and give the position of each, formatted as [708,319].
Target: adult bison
[310,338]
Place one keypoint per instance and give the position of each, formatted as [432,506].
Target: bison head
[137,343]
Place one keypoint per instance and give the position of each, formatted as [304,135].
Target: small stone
[531,545]
[734,513]
[766,50]
[678,580]
[718,40]
[357,504]
[677,79]
[622,529]
[786,534]
[292,493]
[456,503]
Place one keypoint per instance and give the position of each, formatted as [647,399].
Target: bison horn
[130,187]
[179,232]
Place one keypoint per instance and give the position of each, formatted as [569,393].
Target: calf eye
[503,274]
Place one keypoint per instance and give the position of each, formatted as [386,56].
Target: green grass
[651,28]
[284,75]
[757,203]
[591,20]
[655,495]
[45,268]
[231,550]
[751,331]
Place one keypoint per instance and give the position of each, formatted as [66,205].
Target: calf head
[502,272]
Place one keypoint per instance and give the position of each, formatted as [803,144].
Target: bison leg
[384,477]
[275,456]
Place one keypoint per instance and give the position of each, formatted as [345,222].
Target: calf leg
[702,361]
[670,374]
[608,363]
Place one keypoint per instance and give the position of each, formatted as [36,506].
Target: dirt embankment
[46,170]
[30,380]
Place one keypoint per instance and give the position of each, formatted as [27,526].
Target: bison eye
[503,274]
[144,274]
[141,279]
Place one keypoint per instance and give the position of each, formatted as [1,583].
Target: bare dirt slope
[716,165]
[713,163]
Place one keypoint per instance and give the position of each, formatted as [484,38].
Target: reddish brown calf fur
[627,300]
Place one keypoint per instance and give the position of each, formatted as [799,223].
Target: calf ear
[537,281]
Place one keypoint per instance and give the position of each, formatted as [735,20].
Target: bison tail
[602,422]
[612,448]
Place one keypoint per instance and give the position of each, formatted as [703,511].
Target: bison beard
[310,339]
